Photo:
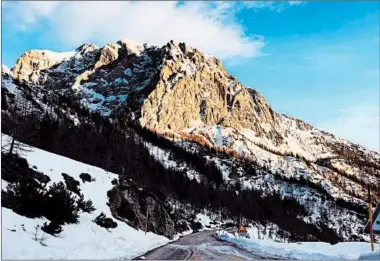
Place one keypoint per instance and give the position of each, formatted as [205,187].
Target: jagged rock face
[129,203]
[85,48]
[173,87]
[193,87]
[176,88]
[108,54]
[30,63]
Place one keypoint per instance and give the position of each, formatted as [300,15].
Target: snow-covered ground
[306,250]
[85,240]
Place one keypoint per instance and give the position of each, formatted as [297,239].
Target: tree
[60,204]
[18,127]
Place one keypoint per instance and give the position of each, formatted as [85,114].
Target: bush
[85,205]
[60,205]
[42,178]
[181,226]
[25,199]
[53,228]
[104,221]
[85,177]
[196,226]
[71,183]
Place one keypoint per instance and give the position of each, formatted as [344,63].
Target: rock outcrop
[194,88]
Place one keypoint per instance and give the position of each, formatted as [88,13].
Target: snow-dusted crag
[188,96]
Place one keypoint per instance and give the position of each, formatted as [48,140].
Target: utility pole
[147,217]
[370,217]
[240,220]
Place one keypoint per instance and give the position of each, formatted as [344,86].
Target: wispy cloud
[271,5]
[209,26]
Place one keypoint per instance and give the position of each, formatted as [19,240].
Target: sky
[316,61]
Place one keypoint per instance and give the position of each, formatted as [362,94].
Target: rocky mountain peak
[85,48]
[131,46]
[29,65]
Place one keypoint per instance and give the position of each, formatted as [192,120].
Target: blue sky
[317,61]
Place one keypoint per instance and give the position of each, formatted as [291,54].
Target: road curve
[202,245]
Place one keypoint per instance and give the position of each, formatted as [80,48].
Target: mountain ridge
[189,98]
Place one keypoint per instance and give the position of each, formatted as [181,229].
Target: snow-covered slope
[85,240]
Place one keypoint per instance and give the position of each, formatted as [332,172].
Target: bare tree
[18,127]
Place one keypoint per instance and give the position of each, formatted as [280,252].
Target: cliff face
[186,86]
[194,88]
[175,88]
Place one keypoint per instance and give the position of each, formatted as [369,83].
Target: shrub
[53,228]
[60,204]
[85,205]
[71,183]
[114,182]
[26,199]
[85,177]
[104,221]
[196,226]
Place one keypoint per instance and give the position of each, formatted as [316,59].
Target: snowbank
[85,240]
[305,250]
[370,256]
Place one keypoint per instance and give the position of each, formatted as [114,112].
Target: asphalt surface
[202,245]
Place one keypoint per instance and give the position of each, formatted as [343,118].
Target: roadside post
[373,225]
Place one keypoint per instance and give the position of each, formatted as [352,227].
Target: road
[203,245]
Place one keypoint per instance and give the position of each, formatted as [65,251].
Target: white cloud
[271,5]
[295,2]
[211,27]
[358,123]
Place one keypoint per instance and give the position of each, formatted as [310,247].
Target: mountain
[189,116]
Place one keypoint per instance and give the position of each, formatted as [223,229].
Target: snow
[128,72]
[9,85]
[164,158]
[203,219]
[218,136]
[120,80]
[123,97]
[303,250]
[5,69]
[59,56]
[85,240]
[370,256]
[4,184]
[132,46]
[194,125]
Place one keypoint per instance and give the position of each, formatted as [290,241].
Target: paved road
[203,245]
